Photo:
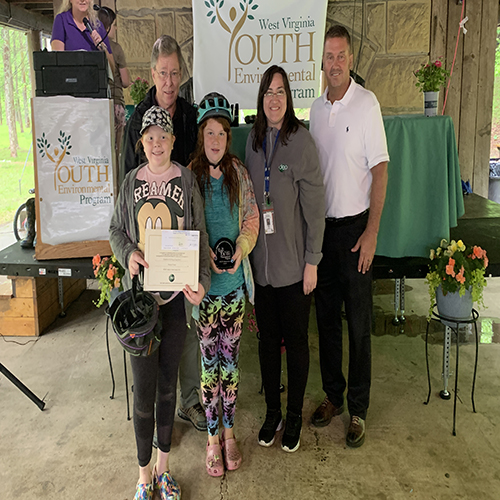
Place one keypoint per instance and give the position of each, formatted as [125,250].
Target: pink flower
[460,276]
[117,282]
[438,64]
[449,268]
[485,261]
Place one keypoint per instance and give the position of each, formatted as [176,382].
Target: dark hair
[290,122]
[107,16]
[201,166]
[338,31]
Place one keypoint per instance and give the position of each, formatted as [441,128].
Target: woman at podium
[76,27]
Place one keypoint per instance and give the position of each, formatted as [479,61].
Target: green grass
[10,172]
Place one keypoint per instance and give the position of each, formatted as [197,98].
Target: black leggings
[283,313]
[155,380]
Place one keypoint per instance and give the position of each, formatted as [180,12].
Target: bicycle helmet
[135,316]
[214,105]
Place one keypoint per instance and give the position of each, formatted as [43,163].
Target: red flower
[438,64]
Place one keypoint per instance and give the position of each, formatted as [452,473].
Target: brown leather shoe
[325,412]
[356,432]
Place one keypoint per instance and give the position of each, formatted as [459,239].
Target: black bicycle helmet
[136,320]
[214,105]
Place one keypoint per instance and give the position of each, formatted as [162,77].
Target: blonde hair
[91,13]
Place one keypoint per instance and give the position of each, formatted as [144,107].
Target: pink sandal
[215,467]
[232,455]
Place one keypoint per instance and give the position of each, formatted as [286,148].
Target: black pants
[283,313]
[340,282]
[155,380]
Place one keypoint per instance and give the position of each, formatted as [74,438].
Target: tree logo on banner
[213,13]
[58,153]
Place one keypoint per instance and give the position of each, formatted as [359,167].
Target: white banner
[235,41]
[74,163]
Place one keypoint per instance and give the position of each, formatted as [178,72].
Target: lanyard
[267,167]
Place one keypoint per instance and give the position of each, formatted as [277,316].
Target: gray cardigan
[298,196]
[123,236]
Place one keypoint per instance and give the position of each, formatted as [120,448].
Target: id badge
[268,216]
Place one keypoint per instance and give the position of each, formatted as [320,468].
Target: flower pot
[453,306]
[431,103]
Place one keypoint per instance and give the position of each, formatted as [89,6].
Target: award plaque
[224,251]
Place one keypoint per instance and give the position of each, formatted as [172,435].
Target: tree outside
[495,118]
[16,154]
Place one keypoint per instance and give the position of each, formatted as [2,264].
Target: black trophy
[224,251]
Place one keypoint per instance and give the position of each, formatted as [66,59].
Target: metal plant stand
[446,358]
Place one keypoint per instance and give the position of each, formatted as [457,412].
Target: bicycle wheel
[21,223]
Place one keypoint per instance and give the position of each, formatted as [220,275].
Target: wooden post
[454,101]
[439,30]
[469,91]
[34,44]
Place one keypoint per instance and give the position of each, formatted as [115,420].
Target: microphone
[87,25]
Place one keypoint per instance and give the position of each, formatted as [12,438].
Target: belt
[343,221]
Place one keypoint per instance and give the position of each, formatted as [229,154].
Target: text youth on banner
[74,167]
[235,41]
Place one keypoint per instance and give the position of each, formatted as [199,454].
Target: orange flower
[477,252]
[111,272]
[449,268]
[460,276]
[485,261]
[117,282]
[96,260]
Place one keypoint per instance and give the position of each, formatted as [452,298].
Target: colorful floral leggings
[219,330]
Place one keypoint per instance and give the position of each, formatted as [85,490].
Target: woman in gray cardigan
[284,167]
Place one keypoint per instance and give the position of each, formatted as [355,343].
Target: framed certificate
[173,258]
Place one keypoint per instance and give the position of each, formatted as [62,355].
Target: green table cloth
[424,192]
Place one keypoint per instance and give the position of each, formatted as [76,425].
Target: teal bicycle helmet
[214,105]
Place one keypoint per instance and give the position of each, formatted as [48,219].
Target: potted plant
[109,273]
[430,78]
[138,90]
[456,278]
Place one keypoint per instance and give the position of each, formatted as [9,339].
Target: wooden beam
[485,96]
[17,17]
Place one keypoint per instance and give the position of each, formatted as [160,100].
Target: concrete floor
[82,446]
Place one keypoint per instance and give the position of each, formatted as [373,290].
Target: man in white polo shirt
[347,126]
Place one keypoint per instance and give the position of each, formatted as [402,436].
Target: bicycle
[20,224]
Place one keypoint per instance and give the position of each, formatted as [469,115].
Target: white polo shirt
[350,138]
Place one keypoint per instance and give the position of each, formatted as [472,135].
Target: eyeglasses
[279,94]
[164,75]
